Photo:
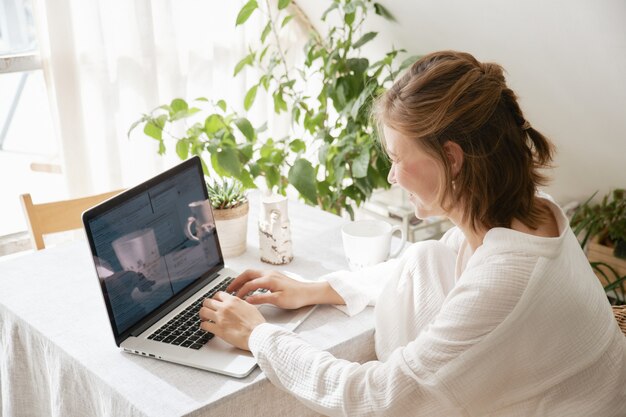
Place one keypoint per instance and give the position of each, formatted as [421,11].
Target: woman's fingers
[207,314]
[209,326]
[244,277]
[254,285]
[267,298]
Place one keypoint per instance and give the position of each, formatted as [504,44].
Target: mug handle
[402,242]
[190,235]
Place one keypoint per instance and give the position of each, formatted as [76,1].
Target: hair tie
[526,125]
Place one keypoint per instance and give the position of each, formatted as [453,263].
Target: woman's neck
[473,236]
[548,227]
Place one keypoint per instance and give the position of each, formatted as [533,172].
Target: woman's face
[416,172]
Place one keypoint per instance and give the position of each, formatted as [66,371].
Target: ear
[454,153]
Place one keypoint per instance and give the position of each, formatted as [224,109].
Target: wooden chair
[58,216]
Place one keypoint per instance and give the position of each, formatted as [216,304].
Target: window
[28,147]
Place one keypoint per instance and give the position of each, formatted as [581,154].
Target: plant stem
[275,32]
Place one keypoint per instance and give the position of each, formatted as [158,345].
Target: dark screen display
[151,246]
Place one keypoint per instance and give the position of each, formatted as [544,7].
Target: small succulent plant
[226,194]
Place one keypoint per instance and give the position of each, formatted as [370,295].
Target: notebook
[154,276]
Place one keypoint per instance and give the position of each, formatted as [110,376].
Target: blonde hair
[450,96]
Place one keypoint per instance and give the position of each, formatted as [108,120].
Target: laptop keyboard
[184,329]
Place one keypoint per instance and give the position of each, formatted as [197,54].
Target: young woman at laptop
[503,316]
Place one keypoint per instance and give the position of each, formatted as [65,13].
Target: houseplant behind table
[230,211]
[602,228]
[330,155]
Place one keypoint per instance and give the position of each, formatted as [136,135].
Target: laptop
[154,276]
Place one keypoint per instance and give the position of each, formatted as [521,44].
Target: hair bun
[493,71]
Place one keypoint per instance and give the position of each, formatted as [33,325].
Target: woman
[503,316]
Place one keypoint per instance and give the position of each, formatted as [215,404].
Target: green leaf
[246,179]
[358,65]
[249,98]
[297,145]
[135,124]
[349,8]
[266,31]
[302,177]
[213,123]
[263,52]
[228,160]
[247,60]
[151,129]
[246,11]
[182,149]
[360,164]
[358,103]
[246,151]
[349,18]
[323,151]
[364,39]
[267,149]
[279,102]
[272,176]
[205,169]
[286,20]
[350,211]
[177,105]
[408,62]
[217,167]
[161,148]
[282,4]
[222,105]
[330,9]
[181,114]
[246,128]
[380,10]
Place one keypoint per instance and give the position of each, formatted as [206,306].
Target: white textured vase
[232,229]
[274,230]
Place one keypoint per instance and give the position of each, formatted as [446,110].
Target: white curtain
[109,61]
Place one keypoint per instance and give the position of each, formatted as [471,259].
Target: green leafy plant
[226,194]
[331,155]
[607,221]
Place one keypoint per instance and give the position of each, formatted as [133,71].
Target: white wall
[566,60]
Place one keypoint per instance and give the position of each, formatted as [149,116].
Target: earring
[454,185]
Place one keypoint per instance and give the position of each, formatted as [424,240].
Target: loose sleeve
[337,387]
[362,288]
[414,380]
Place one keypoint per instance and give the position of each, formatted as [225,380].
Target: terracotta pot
[232,229]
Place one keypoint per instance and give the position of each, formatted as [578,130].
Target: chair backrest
[58,216]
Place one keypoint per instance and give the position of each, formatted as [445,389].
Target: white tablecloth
[58,356]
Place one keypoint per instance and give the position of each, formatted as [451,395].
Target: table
[58,356]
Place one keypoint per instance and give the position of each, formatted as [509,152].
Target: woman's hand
[230,318]
[284,292]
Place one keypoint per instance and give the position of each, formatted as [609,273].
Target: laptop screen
[151,242]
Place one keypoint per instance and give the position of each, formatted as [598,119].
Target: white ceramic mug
[368,242]
[137,251]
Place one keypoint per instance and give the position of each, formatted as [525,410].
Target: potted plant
[331,157]
[230,212]
[602,228]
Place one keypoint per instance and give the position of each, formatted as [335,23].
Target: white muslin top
[521,327]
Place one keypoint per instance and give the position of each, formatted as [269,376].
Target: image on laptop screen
[145,253]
